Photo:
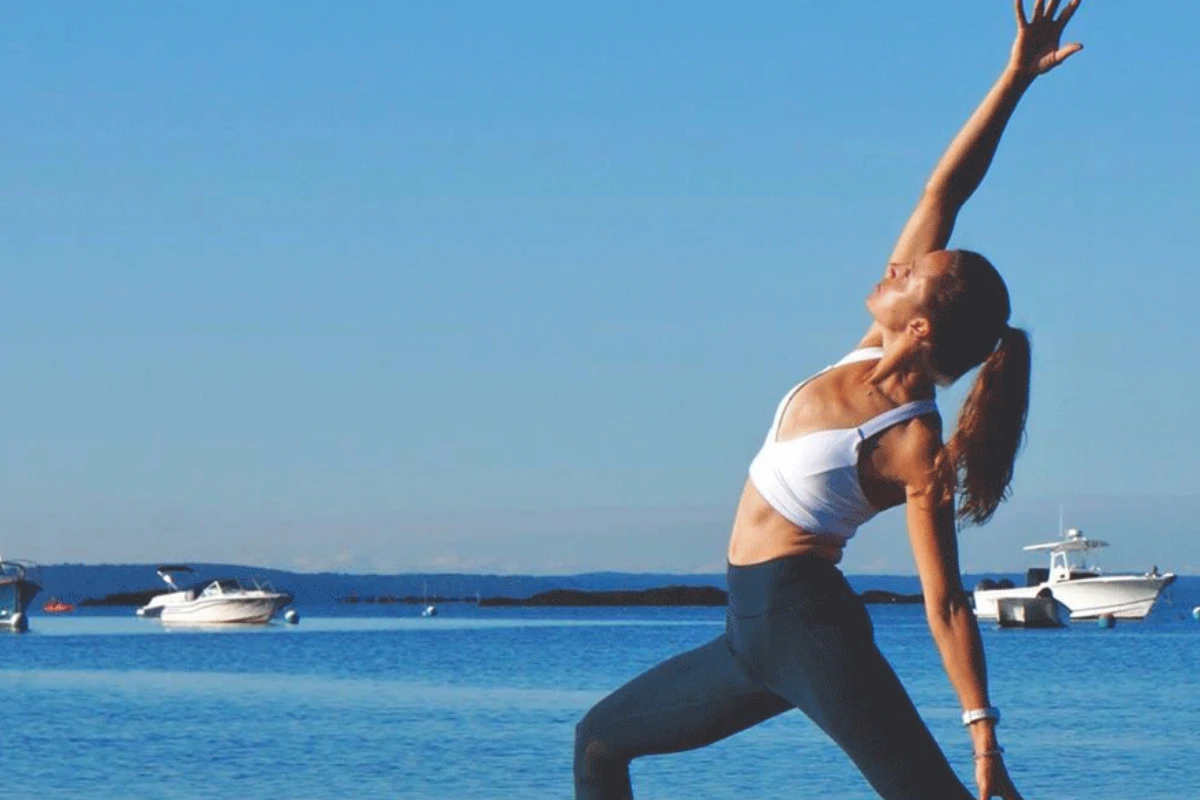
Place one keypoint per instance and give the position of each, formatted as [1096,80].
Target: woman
[862,436]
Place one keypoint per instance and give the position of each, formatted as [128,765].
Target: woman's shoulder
[915,444]
[906,454]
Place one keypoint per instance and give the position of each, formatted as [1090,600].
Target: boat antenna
[1060,520]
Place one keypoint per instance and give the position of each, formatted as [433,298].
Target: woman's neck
[902,372]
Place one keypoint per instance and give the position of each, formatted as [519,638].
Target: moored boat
[1085,589]
[19,584]
[214,601]
[56,606]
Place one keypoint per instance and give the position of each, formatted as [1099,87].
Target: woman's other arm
[931,529]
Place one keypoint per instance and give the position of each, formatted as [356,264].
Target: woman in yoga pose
[861,436]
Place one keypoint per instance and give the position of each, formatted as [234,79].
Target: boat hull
[1121,596]
[16,594]
[225,610]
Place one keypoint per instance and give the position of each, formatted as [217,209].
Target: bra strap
[895,416]
[854,356]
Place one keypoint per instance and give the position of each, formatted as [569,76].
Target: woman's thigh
[694,699]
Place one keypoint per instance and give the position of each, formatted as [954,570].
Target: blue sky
[516,286]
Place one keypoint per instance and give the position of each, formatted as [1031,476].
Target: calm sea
[481,703]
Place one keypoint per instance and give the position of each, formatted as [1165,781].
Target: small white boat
[18,586]
[428,609]
[214,601]
[1087,591]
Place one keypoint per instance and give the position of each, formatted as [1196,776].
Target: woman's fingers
[1068,12]
[1043,10]
[1068,50]
[1012,793]
[1064,53]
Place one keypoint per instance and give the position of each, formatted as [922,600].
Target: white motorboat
[18,586]
[1086,590]
[214,601]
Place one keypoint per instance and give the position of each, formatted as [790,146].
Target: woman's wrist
[983,735]
[1015,78]
[984,755]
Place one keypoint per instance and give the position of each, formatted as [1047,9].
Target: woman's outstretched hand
[1037,49]
[992,777]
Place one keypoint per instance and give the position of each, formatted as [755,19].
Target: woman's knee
[594,746]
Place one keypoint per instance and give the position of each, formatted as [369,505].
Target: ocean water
[481,703]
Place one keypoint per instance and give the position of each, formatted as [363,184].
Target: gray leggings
[796,636]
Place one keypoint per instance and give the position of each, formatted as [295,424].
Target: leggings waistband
[788,580]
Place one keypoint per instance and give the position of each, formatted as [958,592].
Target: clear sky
[515,287]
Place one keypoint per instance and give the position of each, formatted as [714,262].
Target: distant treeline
[100,582]
[663,596]
[660,596]
[388,599]
[124,585]
[139,598]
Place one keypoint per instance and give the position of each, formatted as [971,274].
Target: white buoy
[1196,613]
[20,623]
[292,616]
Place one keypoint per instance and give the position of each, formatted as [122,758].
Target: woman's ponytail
[978,459]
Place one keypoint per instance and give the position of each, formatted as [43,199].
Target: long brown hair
[970,309]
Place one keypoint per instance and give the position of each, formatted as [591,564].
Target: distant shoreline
[696,596]
[708,596]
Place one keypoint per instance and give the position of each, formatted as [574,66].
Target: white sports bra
[812,480]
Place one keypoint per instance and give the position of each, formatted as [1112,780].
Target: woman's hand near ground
[992,778]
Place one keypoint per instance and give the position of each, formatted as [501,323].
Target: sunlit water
[481,703]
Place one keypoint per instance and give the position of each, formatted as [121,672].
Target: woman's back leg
[691,700]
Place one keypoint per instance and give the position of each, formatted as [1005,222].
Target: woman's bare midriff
[760,534]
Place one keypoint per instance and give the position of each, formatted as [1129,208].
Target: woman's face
[900,297]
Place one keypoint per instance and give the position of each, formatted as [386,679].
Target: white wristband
[976,714]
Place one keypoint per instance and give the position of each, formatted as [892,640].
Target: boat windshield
[20,570]
[214,587]
[221,586]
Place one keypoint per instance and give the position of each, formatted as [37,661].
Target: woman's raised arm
[1035,51]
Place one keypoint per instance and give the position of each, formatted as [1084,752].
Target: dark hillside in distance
[77,582]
